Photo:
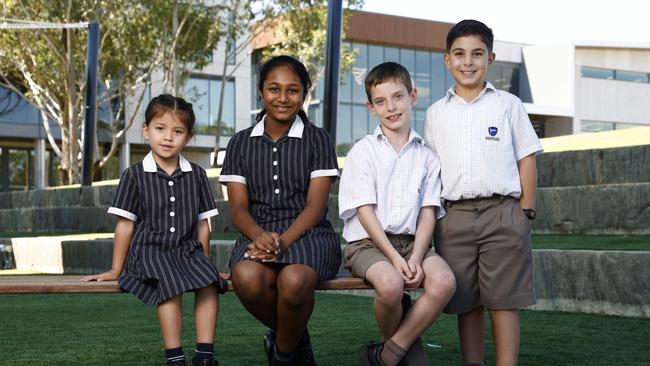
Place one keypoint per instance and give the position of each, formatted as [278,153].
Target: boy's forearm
[371,224]
[424,231]
[528,177]
[203,235]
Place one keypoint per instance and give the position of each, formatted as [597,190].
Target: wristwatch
[530,213]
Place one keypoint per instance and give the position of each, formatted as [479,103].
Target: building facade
[566,89]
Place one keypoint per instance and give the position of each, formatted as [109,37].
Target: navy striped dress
[165,258]
[277,176]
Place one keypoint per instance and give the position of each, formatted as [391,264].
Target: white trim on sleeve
[122,213]
[208,214]
[325,173]
[232,178]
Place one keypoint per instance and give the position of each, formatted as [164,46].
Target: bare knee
[296,286]
[389,288]
[249,282]
[440,285]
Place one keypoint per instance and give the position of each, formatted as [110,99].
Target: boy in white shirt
[389,196]
[487,148]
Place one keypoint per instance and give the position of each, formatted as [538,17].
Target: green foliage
[47,66]
[300,30]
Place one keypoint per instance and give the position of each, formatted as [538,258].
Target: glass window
[344,130]
[438,71]
[231,46]
[621,126]
[595,126]
[315,115]
[597,73]
[359,72]
[638,77]
[407,57]
[21,169]
[197,93]
[345,88]
[375,56]
[423,77]
[417,120]
[359,122]
[504,76]
[391,54]
[204,94]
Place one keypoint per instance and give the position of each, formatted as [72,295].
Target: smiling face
[391,103]
[167,135]
[468,61]
[282,95]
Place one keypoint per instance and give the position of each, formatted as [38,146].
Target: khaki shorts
[360,255]
[486,242]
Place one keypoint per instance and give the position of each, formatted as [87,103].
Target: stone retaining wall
[594,167]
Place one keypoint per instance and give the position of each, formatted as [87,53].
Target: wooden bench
[51,284]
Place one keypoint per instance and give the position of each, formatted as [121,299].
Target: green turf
[116,329]
[592,242]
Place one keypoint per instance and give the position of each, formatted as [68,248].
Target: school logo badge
[492,132]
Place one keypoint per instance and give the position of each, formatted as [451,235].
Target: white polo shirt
[479,143]
[397,183]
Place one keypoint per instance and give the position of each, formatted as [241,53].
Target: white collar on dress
[296,128]
[149,164]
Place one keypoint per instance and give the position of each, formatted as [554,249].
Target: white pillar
[125,156]
[39,164]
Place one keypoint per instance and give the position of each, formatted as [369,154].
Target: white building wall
[628,59]
[550,75]
[613,100]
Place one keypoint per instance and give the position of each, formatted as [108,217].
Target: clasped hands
[411,271]
[265,247]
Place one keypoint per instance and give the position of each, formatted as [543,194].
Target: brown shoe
[369,354]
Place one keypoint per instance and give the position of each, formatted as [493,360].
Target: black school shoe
[369,354]
[304,354]
[205,362]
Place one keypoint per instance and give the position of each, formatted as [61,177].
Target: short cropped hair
[387,71]
[470,27]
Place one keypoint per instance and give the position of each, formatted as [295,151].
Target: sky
[535,22]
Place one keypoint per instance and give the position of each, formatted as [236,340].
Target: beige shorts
[486,242]
[360,255]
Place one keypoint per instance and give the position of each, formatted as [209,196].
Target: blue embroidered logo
[493,131]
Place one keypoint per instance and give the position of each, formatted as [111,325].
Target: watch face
[530,213]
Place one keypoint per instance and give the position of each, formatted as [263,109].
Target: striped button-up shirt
[479,143]
[165,208]
[278,173]
[397,183]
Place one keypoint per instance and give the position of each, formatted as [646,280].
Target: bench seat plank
[39,284]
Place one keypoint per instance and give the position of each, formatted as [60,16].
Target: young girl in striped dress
[163,205]
[278,175]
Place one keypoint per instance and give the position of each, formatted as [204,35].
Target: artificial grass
[592,242]
[116,329]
